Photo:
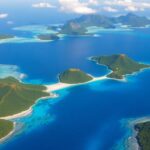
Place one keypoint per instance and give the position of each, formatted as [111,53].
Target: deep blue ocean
[87,117]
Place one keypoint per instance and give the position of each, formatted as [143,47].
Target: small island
[119,64]
[16,97]
[143,136]
[4,37]
[74,76]
[48,37]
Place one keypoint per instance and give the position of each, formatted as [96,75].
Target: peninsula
[119,64]
[74,76]
[16,97]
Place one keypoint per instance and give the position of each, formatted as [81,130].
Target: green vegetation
[16,97]
[3,37]
[133,20]
[143,136]
[79,25]
[120,65]
[5,128]
[74,76]
[48,37]
[72,28]
[95,20]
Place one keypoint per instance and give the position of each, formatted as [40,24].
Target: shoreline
[132,141]
[28,111]
[9,134]
[21,115]
[18,115]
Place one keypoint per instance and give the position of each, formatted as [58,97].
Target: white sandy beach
[60,86]
[19,115]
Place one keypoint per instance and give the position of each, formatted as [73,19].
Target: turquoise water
[87,117]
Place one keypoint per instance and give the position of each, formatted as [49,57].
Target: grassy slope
[74,76]
[143,136]
[120,65]
[5,127]
[16,97]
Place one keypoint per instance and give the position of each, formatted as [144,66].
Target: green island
[16,97]
[120,64]
[78,26]
[133,20]
[72,28]
[74,76]
[143,136]
[4,37]
[48,37]
[5,128]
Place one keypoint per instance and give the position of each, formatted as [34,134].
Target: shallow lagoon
[29,34]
